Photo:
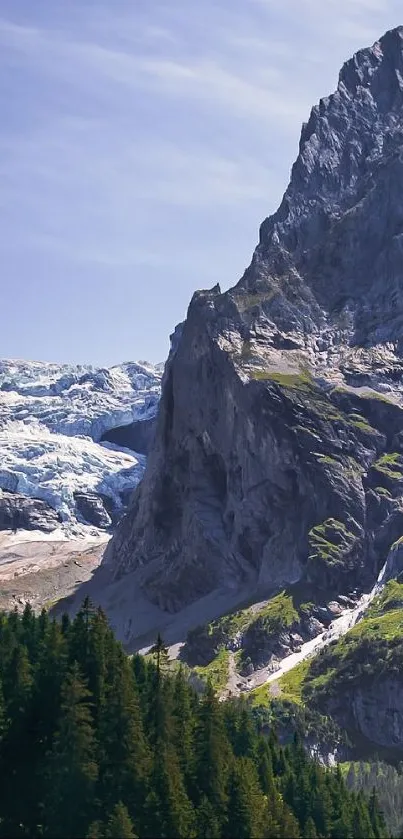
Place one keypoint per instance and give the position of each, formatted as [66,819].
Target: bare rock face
[372,710]
[137,436]
[378,713]
[19,512]
[93,509]
[278,452]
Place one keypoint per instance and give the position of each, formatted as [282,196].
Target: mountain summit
[328,252]
[278,454]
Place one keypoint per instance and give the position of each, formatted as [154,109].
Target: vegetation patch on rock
[256,634]
[369,650]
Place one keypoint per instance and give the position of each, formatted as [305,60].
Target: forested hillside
[95,744]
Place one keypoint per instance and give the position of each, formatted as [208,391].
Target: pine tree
[29,632]
[246,740]
[310,829]
[66,624]
[290,788]
[100,649]
[43,624]
[14,623]
[96,830]
[160,651]
[3,718]
[41,718]
[342,828]
[207,823]
[168,811]
[246,809]
[18,747]
[361,822]
[153,817]
[140,669]
[376,816]
[72,770]
[49,676]
[321,806]
[160,722]
[212,753]
[120,825]
[183,724]
[289,827]
[21,678]
[79,636]
[4,768]
[124,753]
[144,676]
[265,766]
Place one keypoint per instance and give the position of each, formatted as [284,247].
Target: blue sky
[142,143]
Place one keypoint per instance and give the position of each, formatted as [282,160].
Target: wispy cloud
[119,175]
[87,64]
[329,24]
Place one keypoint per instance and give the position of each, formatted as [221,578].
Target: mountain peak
[378,68]
[281,395]
[348,134]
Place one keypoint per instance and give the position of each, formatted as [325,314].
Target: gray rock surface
[378,712]
[93,509]
[137,436]
[373,710]
[282,396]
[19,512]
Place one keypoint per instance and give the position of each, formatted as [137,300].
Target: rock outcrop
[17,512]
[93,509]
[373,711]
[137,436]
[279,440]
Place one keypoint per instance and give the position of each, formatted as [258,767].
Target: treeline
[94,744]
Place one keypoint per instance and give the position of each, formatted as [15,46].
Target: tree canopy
[96,744]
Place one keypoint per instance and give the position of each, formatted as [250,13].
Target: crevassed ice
[51,420]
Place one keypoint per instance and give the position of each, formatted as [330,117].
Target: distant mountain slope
[57,468]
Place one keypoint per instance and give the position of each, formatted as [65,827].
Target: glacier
[52,420]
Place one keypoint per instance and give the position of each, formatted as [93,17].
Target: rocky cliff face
[373,711]
[278,453]
[24,513]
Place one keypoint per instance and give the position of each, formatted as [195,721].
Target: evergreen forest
[97,744]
